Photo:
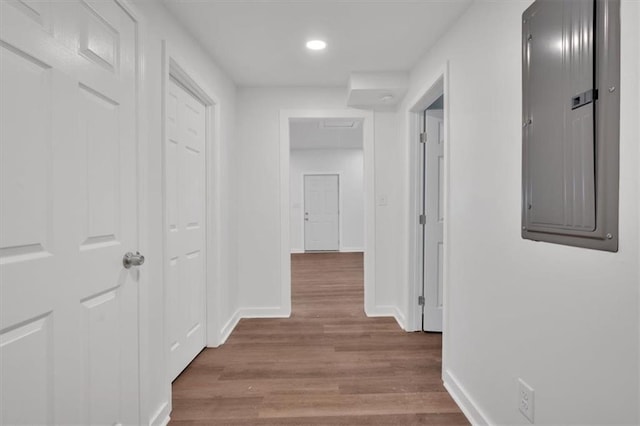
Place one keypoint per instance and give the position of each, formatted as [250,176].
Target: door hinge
[423,219]
[421,300]
[423,137]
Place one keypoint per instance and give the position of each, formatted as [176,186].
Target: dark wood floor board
[258,388]
[442,419]
[326,365]
[357,404]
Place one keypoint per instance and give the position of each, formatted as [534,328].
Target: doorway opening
[326,185]
[327,197]
[326,211]
[429,196]
[191,215]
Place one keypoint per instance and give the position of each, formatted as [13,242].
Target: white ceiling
[262,42]
[325,133]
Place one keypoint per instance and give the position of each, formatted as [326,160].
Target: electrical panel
[570,125]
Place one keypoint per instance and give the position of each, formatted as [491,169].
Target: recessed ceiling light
[316,44]
[386,98]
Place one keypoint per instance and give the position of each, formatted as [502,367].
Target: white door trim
[304,228]
[178,68]
[369,206]
[437,84]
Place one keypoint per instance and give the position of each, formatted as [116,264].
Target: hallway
[327,364]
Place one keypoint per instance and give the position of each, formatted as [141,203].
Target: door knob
[131,259]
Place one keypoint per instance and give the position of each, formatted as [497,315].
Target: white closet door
[68,307]
[321,213]
[434,224]
[185,220]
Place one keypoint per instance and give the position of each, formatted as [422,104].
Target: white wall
[563,319]
[258,173]
[158,25]
[638,130]
[390,216]
[349,164]
[638,199]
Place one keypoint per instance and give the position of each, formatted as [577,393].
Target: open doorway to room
[326,185]
[428,130]
[326,180]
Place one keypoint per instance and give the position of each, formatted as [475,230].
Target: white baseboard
[274,312]
[351,250]
[342,250]
[466,403]
[381,311]
[388,311]
[229,326]
[264,312]
[161,417]
[400,318]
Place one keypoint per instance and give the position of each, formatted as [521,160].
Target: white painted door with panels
[433,219]
[321,213]
[185,225]
[68,305]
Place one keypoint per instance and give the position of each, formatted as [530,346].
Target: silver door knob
[131,259]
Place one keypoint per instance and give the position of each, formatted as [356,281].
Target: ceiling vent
[338,124]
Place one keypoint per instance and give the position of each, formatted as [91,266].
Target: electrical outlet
[525,399]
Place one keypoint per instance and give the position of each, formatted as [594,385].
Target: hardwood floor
[327,364]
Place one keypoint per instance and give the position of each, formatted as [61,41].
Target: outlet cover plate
[525,399]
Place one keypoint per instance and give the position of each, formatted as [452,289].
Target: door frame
[304,193]
[174,66]
[437,85]
[369,203]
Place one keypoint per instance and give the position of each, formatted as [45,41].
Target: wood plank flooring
[328,364]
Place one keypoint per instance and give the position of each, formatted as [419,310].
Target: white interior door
[68,307]
[186,229]
[434,220]
[321,212]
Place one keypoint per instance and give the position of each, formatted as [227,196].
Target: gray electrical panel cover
[571,76]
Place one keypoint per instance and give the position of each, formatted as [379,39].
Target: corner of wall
[387,311]
[400,318]
[228,327]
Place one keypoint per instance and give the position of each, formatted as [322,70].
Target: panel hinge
[423,137]
[422,219]
[421,300]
